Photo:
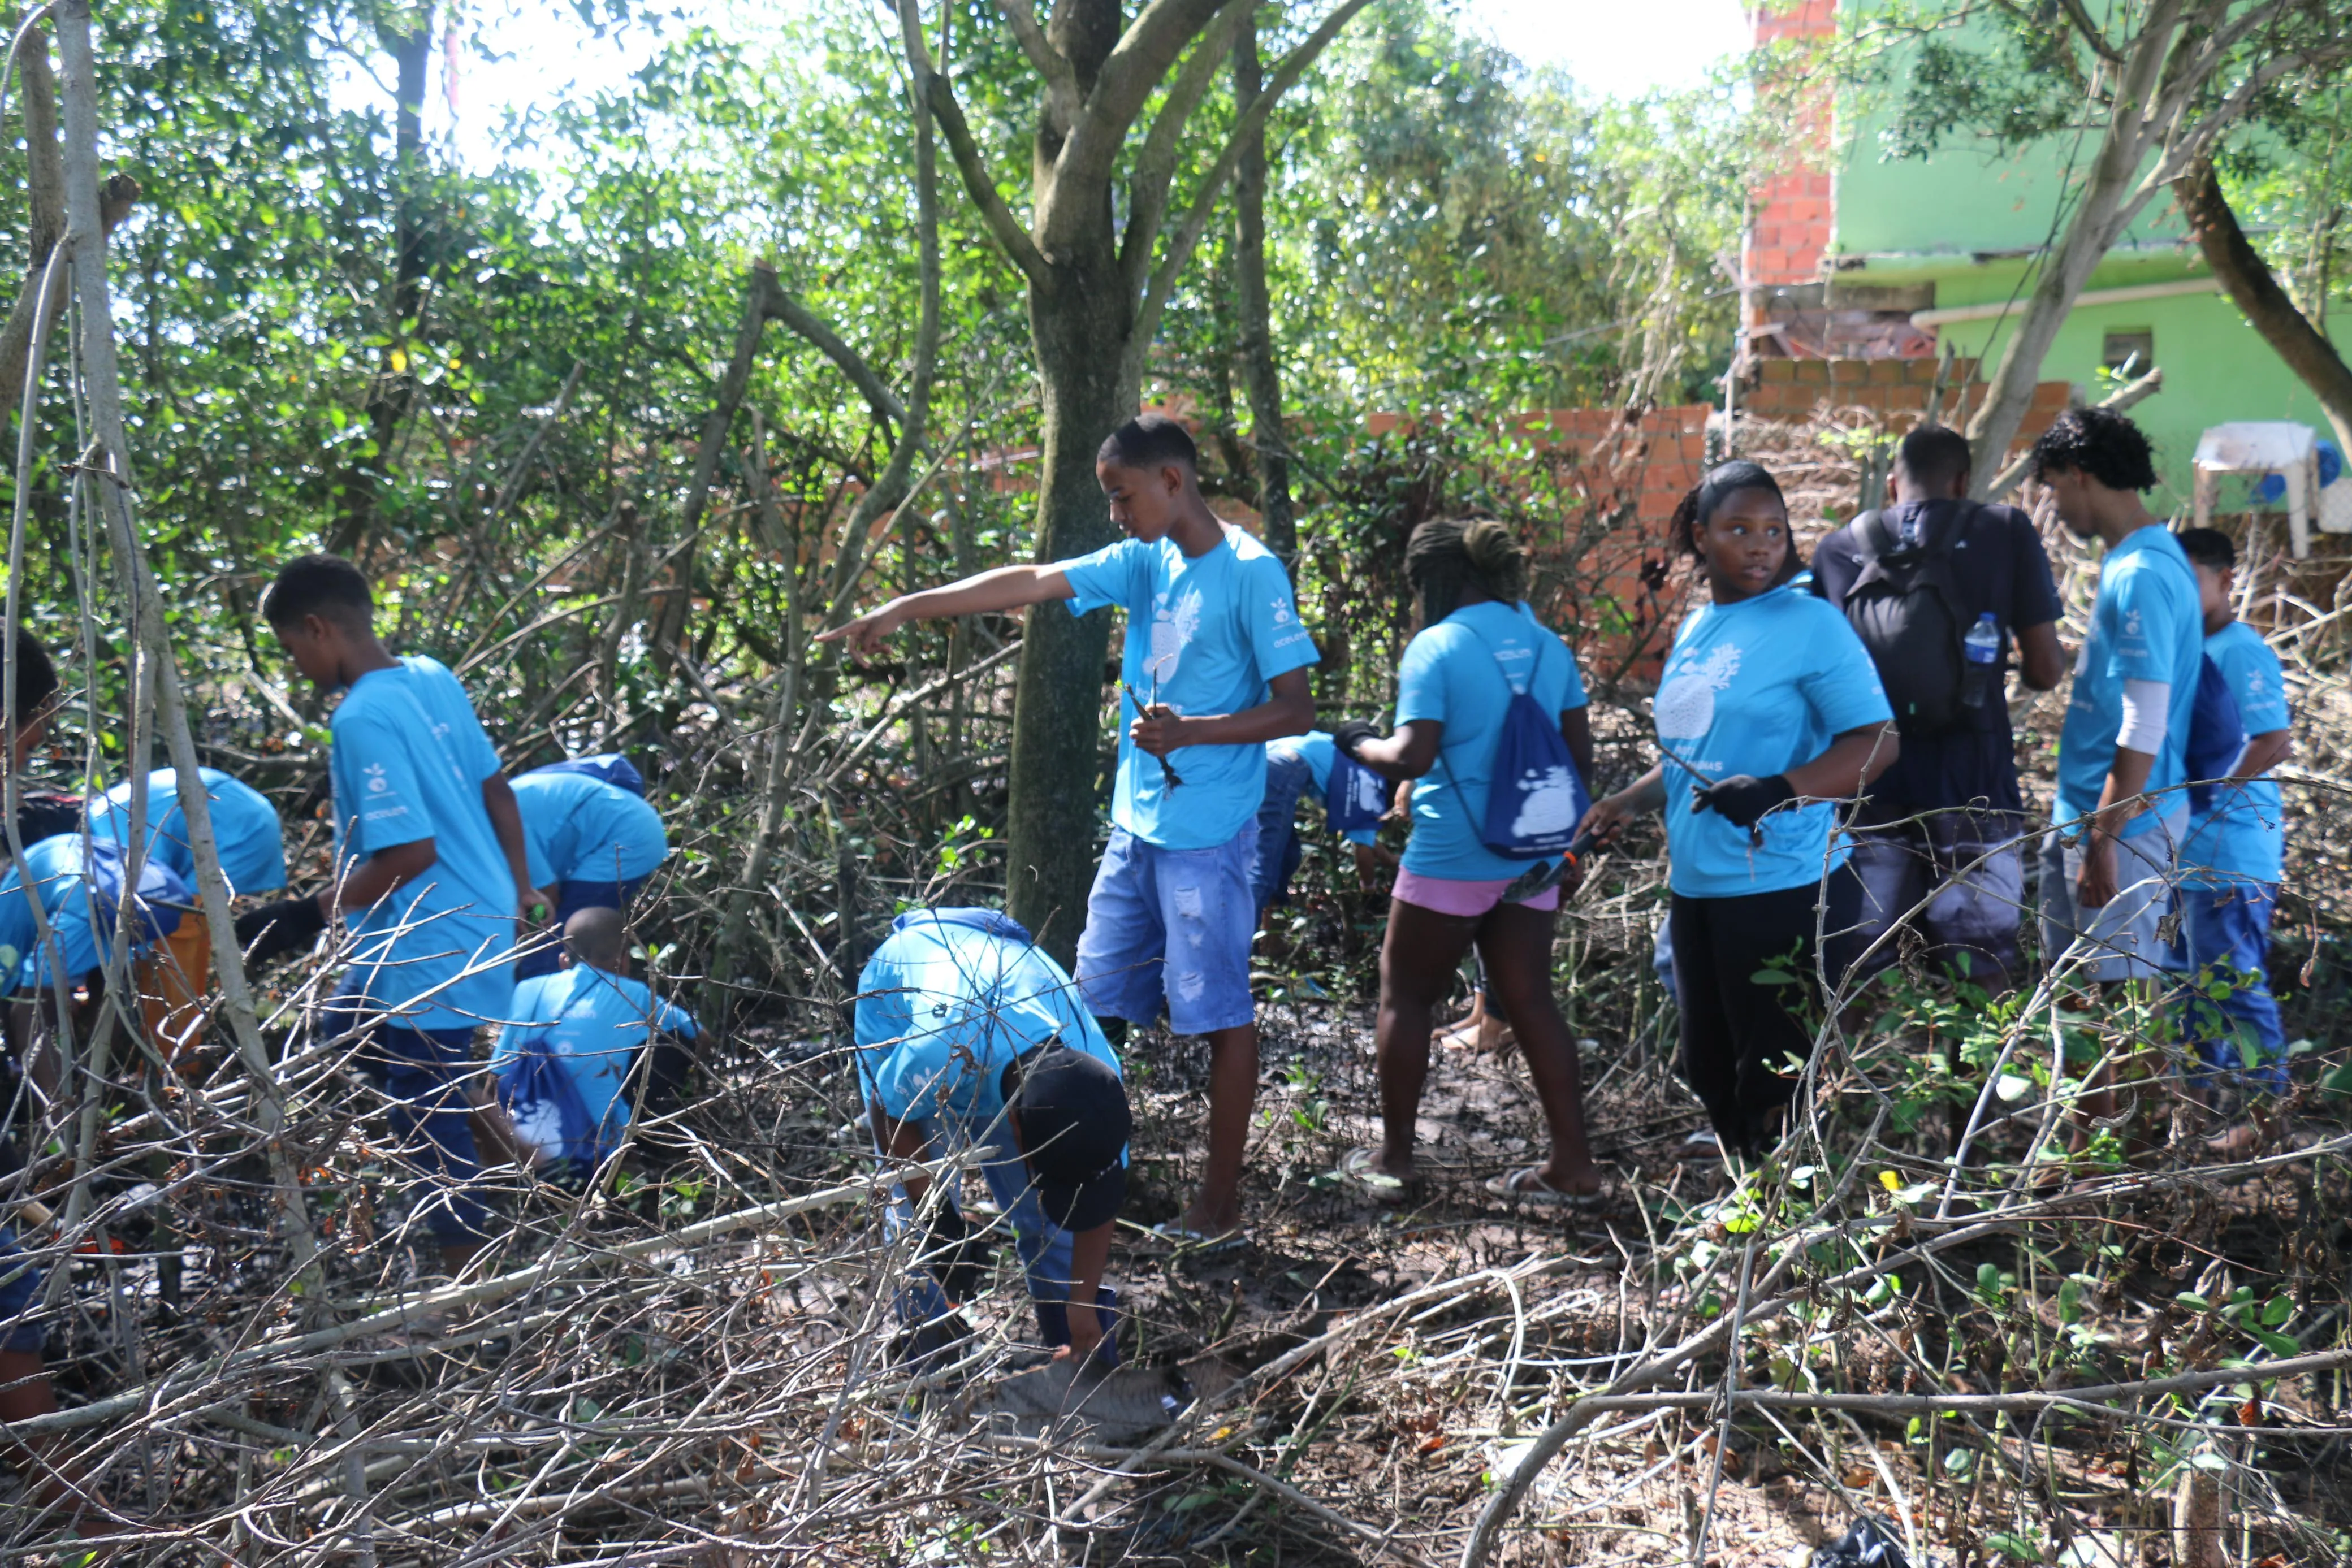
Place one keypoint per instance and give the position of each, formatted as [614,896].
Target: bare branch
[783,306]
[1155,165]
[1050,62]
[2090,31]
[1204,201]
[981,185]
[1137,66]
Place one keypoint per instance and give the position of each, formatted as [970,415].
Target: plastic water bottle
[1982,645]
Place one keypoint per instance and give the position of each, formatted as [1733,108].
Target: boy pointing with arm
[1213,640]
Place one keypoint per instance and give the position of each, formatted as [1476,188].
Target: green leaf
[1988,1282]
[1773,977]
[2276,1311]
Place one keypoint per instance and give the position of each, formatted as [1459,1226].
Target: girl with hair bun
[1479,644]
[1769,713]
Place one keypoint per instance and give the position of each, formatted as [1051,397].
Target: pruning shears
[1143,710]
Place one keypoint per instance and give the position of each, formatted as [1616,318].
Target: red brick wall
[1792,211]
[1615,588]
[1894,391]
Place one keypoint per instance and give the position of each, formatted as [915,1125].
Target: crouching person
[968,1036]
[592,1048]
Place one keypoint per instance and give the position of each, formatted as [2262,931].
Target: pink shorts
[1469,900]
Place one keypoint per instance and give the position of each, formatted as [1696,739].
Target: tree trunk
[2098,216]
[395,387]
[1260,379]
[1080,328]
[2255,290]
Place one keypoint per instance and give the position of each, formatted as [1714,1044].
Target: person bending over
[1770,714]
[1214,666]
[590,844]
[969,1037]
[430,877]
[1477,645]
[1295,765]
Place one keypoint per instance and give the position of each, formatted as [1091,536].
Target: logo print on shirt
[1684,705]
[1549,805]
[1171,633]
[1282,612]
[2131,622]
[375,780]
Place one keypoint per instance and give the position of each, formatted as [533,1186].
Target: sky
[518,53]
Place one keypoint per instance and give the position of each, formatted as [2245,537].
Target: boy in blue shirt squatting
[575,1066]
[1214,646]
[589,844]
[2236,853]
[968,1034]
[430,876]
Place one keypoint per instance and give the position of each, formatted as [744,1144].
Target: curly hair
[2098,442]
[1443,559]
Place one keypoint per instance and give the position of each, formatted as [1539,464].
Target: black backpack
[1906,607]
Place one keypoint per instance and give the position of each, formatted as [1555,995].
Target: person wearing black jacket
[1938,843]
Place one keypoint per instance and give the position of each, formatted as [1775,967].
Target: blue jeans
[2224,944]
[19,1331]
[1044,1249]
[545,956]
[422,1072]
[1170,925]
[1279,851]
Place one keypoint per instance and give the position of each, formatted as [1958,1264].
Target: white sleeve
[2147,707]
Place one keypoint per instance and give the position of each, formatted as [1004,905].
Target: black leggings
[1738,1034]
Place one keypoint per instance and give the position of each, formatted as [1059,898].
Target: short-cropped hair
[1934,455]
[2209,547]
[1149,441]
[326,586]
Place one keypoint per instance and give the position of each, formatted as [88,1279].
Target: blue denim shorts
[1172,926]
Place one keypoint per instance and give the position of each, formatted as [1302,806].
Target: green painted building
[1853,254]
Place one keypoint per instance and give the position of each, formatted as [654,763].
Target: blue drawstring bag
[546,1109]
[155,908]
[1535,797]
[1354,797]
[2217,735]
[610,765]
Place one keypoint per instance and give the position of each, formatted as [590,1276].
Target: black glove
[1742,800]
[956,1254]
[274,930]
[1351,733]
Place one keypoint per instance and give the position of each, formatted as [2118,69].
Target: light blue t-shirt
[1207,635]
[2242,836]
[1316,749]
[595,1025]
[943,1009]
[80,917]
[2146,626]
[409,761]
[1461,674]
[245,826]
[576,828]
[1757,687]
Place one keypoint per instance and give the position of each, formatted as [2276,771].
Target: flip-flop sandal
[1359,1168]
[1540,1194]
[1201,1243]
[1702,1144]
